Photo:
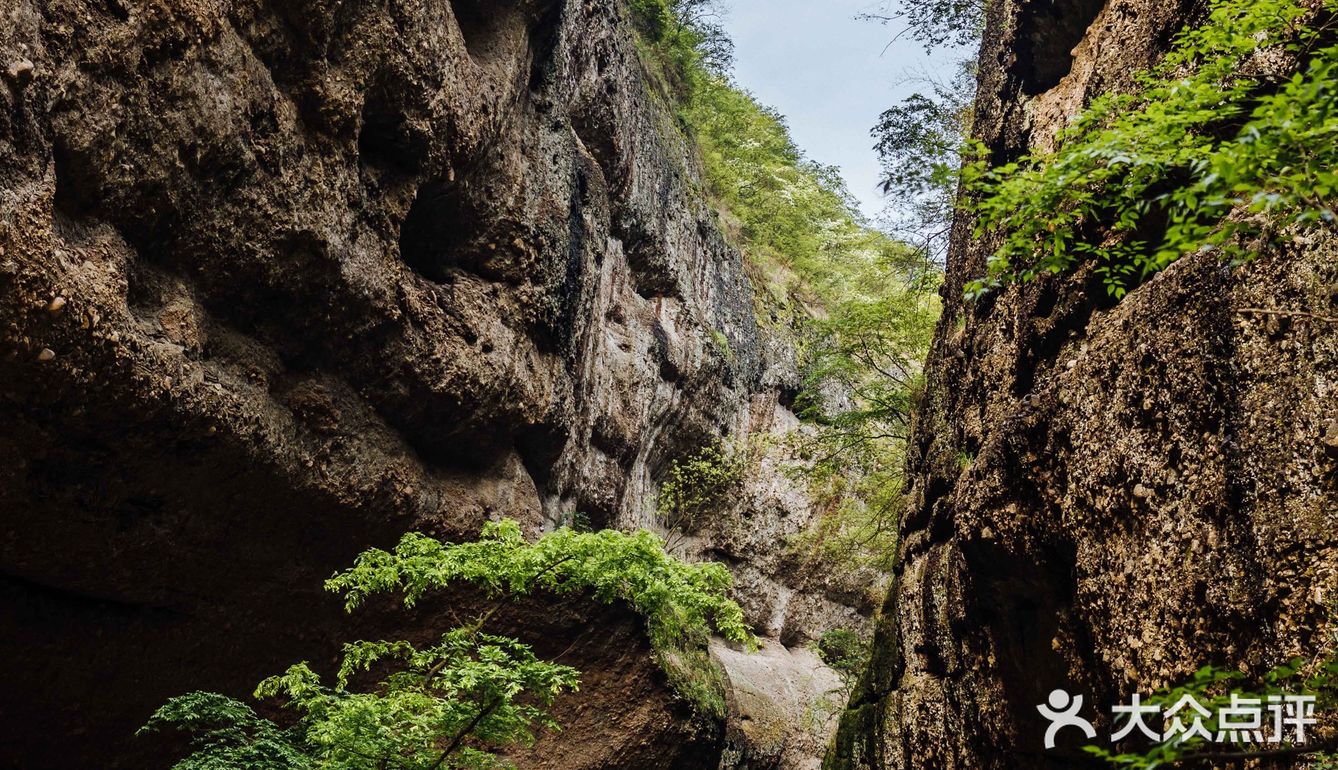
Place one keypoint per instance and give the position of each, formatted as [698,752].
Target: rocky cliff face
[1105,497]
[280,281]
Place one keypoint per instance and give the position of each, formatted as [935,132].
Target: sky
[830,74]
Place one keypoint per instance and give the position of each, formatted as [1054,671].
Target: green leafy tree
[845,652]
[868,350]
[681,602]
[450,705]
[921,144]
[455,704]
[228,734]
[696,487]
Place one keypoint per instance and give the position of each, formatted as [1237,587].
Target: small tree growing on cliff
[446,706]
[453,705]
[695,487]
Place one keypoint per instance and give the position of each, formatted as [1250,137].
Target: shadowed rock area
[280,281]
[1152,486]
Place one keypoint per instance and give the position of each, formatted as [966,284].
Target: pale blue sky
[829,74]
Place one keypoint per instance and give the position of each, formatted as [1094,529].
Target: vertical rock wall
[280,281]
[1104,497]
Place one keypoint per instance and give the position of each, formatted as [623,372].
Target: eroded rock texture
[283,280]
[1105,497]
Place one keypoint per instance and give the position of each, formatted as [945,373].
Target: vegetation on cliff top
[681,602]
[454,704]
[1219,146]
[861,304]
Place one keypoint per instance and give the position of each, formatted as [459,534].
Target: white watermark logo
[1062,712]
[1274,719]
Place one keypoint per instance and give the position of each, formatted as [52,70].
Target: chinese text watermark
[1273,719]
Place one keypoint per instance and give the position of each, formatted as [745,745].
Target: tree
[935,23]
[449,706]
[920,143]
[696,486]
[868,349]
[455,704]
[686,36]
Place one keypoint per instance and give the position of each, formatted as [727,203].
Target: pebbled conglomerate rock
[1149,487]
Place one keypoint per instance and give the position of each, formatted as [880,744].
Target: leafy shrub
[436,710]
[229,734]
[1213,689]
[845,652]
[681,602]
[453,705]
[697,486]
[1208,152]
[697,678]
[683,40]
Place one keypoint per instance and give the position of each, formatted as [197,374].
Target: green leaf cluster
[920,143]
[845,652]
[697,486]
[449,706]
[453,705]
[681,602]
[1210,152]
[683,41]
[228,734]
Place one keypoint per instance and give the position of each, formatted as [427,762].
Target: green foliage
[227,734]
[862,304]
[681,602]
[684,41]
[845,652]
[920,143]
[1208,153]
[721,344]
[934,22]
[696,677]
[793,219]
[1212,688]
[448,706]
[697,486]
[862,375]
[453,705]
